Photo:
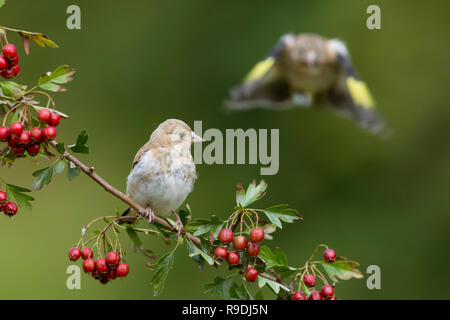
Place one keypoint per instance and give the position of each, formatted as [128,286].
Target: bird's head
[309,51]
[175,134]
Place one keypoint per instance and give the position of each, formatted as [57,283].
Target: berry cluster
[9,62]
[240,243]
[101,269]
[8,207]
[309,280]
[21,141]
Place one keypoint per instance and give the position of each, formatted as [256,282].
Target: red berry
[251,274]
[3,63]
[3,197]
[4,133]
[327,291]
[257,235]
[315,295]
[24,138]
[54,119]
[10,208]
[233,258]
[50,132]
[33,149]
[16,128]
[9,51]
[15,70]
[104,280]
[298,296]
[44,115]
[221,253]
[74,254]
[19,151]
[8,73]
[122,269]
[240,242]
[111,275]
[112,259]
[13,141]
[329,255]
[89,265]
[96,274]
[225,236]
[101,266]
[252,249]
[309,280]
[36,134]
[86,253]
[13,62]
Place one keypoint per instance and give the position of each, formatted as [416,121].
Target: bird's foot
[178,225]
[150,215]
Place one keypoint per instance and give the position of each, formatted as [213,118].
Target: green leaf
[60,166]
[80,146]
[40,39]
[52,81]
[342,269]
[281,212]
[221,287]
[134,237]
[73,171]
[198,227]
[254,192]
[44,176]
[272,258]
[60,148]
[275,286]
[194,251]
[12,89]
[19,195]
[162,268]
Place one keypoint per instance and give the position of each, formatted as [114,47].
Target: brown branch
[89,171]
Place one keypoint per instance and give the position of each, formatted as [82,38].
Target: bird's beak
[196,138]
[311,57]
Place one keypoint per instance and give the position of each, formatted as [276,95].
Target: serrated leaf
[254,192]
[60,148]
[134,237]
[194,251]
[275,286]
[60,166]
[221,287]
[202,226]
[72,171]
[342,269]
[43,177]
[12,89]
[80,145]
[272,258]
[40,39]
[17,193]
[281,212]
[161,270]
[52,81]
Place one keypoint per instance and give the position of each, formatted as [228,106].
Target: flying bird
[304,70]
[163,171]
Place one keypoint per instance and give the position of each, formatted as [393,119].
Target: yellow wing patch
[360,93]
[260,69]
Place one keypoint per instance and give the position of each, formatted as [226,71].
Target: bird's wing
[140,152]
[350,96]
[263,84]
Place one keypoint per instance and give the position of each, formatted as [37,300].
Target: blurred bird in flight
[304,70]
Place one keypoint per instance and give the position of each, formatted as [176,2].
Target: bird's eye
[182,134]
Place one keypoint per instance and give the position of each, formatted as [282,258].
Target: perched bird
[307,69]
[163,171]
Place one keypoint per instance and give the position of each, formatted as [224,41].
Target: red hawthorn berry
[9,51]
[112,259]
[251,274]
[240,243]
[111,275]
[15,70]
[233,258]
[87,253]
[315,295]
[96,274]
[298,296]
[329,255]
[309,280]
[33,149]
[327,291]
[101,266]
[252,249]
[13,62]
[10,208]
[8,73]
[50,132]
[89,265]
[36,134]
[3,63]
[3,197]
[257,235]
[24,138]
[13,141]
[19,151]
[104,280]
[122,269]
[44,115]
[16,128]
[54,119]
[4,133]
[221,253]
[74,254]
[225,236]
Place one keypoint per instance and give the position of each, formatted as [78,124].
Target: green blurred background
[141,62]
